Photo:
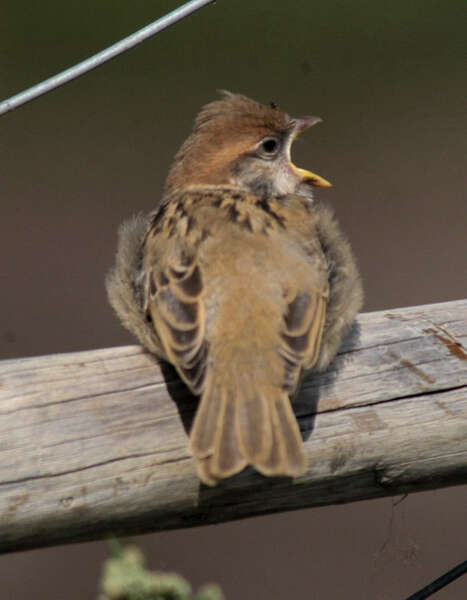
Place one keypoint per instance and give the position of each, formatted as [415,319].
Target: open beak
[301,124]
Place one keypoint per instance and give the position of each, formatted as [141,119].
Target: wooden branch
[93,443]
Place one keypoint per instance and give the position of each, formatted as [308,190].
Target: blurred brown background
[389,81]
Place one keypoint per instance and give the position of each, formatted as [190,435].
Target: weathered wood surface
[93,443]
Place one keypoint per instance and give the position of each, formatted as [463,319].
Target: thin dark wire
[102,57]
[441,582]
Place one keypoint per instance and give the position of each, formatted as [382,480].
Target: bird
[242,281]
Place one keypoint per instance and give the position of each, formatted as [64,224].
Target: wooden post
[94,443]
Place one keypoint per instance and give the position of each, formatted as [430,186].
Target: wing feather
[301,334]
[176,307]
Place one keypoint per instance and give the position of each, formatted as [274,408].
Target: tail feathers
[243,424]
[287,455]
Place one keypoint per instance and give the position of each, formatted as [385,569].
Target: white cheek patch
[284,180]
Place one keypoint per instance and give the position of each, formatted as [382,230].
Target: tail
[240,422]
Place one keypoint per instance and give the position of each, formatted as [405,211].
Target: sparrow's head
[237,141]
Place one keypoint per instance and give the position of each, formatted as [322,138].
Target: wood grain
[94,443]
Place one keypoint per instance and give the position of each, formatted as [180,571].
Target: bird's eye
[269,147]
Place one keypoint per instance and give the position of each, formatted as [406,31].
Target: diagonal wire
[102,57]
[441,582]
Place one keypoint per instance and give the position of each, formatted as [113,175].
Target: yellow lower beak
[311,178]
[301,124]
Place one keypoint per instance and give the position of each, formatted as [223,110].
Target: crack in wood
[89,467]
[420,394]
[84,397]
